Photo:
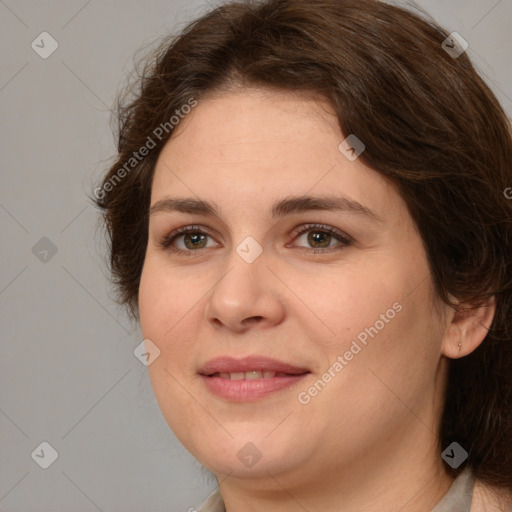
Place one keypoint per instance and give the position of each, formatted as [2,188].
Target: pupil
[317,237]
[197,237]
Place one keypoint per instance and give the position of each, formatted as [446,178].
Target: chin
[245,455]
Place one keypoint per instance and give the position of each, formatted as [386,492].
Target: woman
[309,217]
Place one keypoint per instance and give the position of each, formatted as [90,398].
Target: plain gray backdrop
[68,374]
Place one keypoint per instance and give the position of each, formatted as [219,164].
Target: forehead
[256,144]
[240,124]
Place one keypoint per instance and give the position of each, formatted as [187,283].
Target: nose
[247,294]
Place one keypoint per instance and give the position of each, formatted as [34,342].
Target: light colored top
[457,499]
[459,495]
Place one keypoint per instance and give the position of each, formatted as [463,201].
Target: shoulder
[490,499]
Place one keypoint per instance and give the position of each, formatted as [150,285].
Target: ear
[467,328]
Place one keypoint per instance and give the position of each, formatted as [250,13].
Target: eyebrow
[281,208]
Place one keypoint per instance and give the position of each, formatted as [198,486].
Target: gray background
[68,375]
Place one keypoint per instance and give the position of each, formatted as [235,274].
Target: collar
[457,499]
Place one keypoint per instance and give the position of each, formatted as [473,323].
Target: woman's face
[260,277]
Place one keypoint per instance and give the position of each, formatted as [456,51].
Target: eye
[320,237]
[194,238]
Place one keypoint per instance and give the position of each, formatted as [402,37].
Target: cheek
[391,351]
[395,364]
[166,307]
[152,305]
[373,319]
[161,307]
[162,301]
[351,300]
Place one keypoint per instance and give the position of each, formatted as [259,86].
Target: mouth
[249,379]
[252,375]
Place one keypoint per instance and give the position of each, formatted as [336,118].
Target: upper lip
[227,364]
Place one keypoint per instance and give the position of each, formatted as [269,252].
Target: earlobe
[468,328]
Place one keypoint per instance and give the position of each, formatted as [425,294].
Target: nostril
[253,319]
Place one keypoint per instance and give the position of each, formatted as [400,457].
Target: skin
[367,440]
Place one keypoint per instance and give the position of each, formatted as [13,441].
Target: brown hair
[429,123]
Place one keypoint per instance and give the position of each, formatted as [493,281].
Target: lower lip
[249,390]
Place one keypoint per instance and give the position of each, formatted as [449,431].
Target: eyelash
[168,240]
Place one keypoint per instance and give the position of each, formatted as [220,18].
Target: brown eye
[194,238]
[319,238]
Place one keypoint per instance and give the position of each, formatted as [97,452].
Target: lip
[249,390]
[229,364]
